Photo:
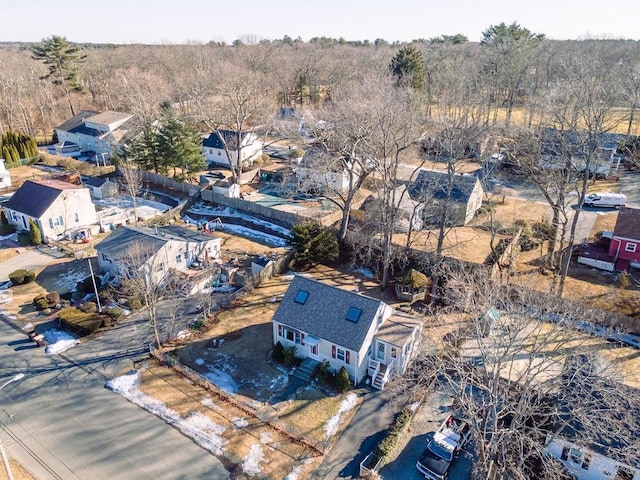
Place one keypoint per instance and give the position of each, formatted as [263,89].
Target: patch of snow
[348,403]
[265,437]
[199,361]
[207,402]
[261,237]
[70,279]
[239,422]
[414,406]
[59,341]
[297,469]
[365,272]
[199,427]
[221,212]
[222,380]
[251,463]
[182,334]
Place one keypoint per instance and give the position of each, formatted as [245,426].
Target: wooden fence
[188,188]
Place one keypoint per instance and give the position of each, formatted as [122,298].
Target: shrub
[401,423]
[80,322]
[88,307]
[53,298]
[290,356]
[278,353]
[34,233]
[24,238]
[543,230]
[22,276]
[115,313]
[197,324]
[342,380]
[324,372]
[526,244]
[624,280]
[40,302]
[134,303]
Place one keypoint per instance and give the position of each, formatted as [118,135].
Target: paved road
[61,423]
[30,259]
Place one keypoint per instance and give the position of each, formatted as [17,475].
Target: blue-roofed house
[347,329]
[93,131]
[461,195]
[214,151]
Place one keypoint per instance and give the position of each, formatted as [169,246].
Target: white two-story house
[214,151]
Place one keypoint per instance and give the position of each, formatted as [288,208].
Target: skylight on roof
[301,297]
[353,315]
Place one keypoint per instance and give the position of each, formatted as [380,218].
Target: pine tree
[313,244]
[408,68]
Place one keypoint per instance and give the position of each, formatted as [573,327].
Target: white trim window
[340,354]
[630,247]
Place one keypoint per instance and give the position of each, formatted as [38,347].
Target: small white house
[214,151]
[226,188]
[5,178]
[59,209]
[155,251]
[586,464]
[100,187]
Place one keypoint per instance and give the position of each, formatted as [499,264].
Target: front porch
[380,373]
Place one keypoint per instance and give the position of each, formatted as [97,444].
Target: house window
[289,335]
[76,217]
[381,355]
[565,453]
[301,297]
[575,455]
[186,256]
[314,349]
[298,338]
[630,247]
[340,354]
[353,315]
[178,258]
[61,221]
[51,223]
[160,267]
[394,352]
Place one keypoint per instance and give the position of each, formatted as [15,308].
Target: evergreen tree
[313,244]
[143,150]
[408,68]
[34,233]
[62,59]
[180,146]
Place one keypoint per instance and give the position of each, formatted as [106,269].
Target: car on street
[447,442]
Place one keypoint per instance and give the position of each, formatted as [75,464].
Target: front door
[381,352]
[313,351]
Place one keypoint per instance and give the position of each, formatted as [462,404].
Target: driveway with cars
[427,420]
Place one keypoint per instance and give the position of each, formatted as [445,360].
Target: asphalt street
[61,423]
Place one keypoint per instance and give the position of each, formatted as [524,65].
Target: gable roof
[324,312]
[118,244]
[434,184]
[628,223]
[214,141]
[33,198]
[76,120]
[95,181]
[109,117]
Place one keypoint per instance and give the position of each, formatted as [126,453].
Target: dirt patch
[17,472]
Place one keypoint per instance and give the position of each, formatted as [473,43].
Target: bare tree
[131,183]
[514,372]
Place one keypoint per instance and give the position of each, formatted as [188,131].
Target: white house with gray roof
[155,250]
[93,131]
[347,329]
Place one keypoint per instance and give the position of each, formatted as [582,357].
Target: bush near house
[22,276]
[80,322]
[342,380]
[50,300]
[395,431]
[313,244]
[277,353]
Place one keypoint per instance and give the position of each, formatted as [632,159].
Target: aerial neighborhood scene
[392,244]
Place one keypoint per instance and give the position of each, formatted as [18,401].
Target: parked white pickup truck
[447,442]
[605,199]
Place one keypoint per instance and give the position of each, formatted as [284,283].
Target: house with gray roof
[460,195]
[347,329]
[214,152]
[60,209]
[93,131]
[100,187]
[155,251]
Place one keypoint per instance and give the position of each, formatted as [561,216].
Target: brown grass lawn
[17,471]
[246,330]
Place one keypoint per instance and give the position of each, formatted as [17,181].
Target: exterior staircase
[306,369]
[379,380]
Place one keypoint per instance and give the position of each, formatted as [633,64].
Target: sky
[201,21]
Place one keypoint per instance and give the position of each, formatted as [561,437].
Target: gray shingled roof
[118,243]
[34,198]
[324,313]
[76,120]
[434,184]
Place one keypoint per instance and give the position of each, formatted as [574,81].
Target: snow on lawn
[221,379]
[365,272]
[251,463]
[202,209]
[296,470]
[123,203]
[197,426]
[349,402]
[258,236]
[58,341]
[70,279]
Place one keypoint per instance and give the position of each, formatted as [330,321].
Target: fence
[184,187]
[263,412]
